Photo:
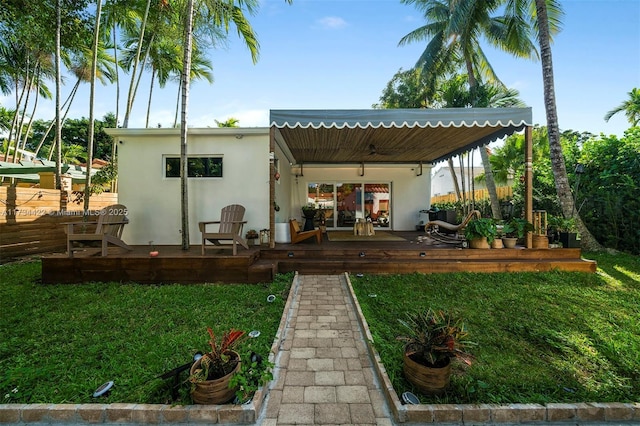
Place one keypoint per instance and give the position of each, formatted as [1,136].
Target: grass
[542,337]
[58,343]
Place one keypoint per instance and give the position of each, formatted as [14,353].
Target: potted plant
[251,236]
[515,229]
[309,210]
[565,230]
[210,375]
[480,232]
[433,340]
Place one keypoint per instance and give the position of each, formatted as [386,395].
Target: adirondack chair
[229,228]
[297,235]
[108,231]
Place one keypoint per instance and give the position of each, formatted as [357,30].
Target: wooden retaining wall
[31,219]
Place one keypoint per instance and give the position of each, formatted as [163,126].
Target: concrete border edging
[558,413]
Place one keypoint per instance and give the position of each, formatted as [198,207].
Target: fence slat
[31,219]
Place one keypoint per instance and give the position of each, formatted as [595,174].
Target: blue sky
[334,54]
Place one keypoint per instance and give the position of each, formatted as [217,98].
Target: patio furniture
[229,228]
[297,235]
[433,229]
[108,231]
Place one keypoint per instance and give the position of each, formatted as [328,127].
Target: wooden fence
[31,219]
[479,194]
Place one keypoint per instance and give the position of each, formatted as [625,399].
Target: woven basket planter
[215,391]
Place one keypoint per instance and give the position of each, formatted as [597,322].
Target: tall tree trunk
[92,95]
[58,138]
[184,82]
[456,184]
[153,77]
[491,184]
[488,173]
[557,160]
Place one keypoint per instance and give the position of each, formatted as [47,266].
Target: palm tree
[218,14]
[563,189]
[229,122]
[631,108]
[454,30]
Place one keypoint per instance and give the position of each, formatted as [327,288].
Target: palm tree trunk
[58,138]
[557,160]
[153,77]
[184,82]
[456,185]
[92,96]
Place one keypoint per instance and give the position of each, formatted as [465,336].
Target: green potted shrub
[210,375]
[565,231]
[480,232]
[433,339]
[515,229]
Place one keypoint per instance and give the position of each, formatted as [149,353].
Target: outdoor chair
[229,228]
[434,228]
[297,235]
[108,231]
[435,225]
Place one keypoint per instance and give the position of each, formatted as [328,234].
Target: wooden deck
[259,264]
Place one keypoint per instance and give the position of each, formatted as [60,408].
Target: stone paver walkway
[323,372]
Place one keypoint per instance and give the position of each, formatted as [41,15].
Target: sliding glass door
[342,204]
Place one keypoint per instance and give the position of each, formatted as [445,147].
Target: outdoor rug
[348,236]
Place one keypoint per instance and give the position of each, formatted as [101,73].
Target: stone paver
[325,366]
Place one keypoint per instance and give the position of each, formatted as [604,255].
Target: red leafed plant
[433,338]
[221,360]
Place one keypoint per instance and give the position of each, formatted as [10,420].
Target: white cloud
[332,22]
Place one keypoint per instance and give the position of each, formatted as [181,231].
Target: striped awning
[392,135]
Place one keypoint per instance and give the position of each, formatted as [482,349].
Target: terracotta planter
[496,243]
[215,391]
[430,380]
[509,242]
[479,243]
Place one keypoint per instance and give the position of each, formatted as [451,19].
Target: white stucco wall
[154,202]
[410,193]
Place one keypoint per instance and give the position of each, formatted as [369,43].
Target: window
[197,167]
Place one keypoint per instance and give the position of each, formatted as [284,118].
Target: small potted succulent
[210,375]
[433,340]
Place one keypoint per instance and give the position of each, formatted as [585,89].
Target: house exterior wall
[410,193]
[154,201]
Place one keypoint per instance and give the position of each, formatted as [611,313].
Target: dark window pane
[196,167]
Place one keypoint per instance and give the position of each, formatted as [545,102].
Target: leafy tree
[607,191]
[229,122]
[631,108]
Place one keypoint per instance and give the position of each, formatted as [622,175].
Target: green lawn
[58,343]
[542,337]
